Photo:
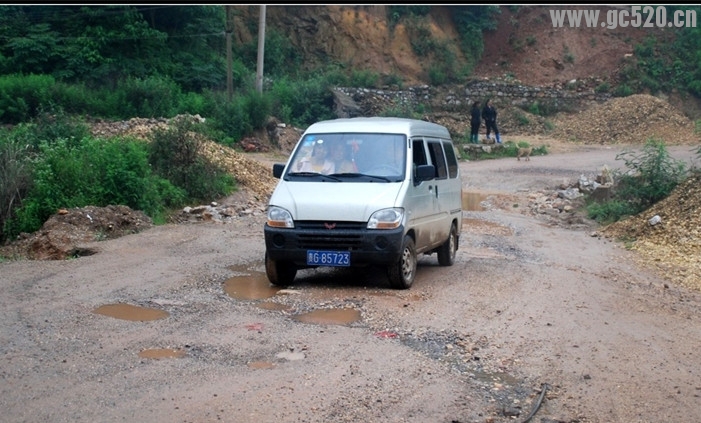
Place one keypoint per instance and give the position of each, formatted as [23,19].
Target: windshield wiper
[349,174]
[314,174]
[361,175]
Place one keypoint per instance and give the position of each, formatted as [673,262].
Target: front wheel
[279,273]
[446,252]
[402,273]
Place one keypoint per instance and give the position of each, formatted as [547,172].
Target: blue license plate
[328,258]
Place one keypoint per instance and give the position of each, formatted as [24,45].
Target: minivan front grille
[317,235]
[313,225]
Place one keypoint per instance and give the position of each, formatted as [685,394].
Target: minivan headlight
[386,218]
[280,218]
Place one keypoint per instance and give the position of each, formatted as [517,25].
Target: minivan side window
[452,159]
[418,152]
[437,157]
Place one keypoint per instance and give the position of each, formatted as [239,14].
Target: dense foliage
[53,162]
[666,65]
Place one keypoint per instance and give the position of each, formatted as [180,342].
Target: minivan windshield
[350,157]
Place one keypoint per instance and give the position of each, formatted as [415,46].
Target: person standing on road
[475,123]
[489,114]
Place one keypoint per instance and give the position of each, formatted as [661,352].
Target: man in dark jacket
[489,114]
[475,123]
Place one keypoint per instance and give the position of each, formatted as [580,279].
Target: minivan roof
[391,125]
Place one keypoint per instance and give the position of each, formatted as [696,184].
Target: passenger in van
[339,155]
[319,161]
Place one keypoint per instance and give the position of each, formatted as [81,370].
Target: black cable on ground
[543,389]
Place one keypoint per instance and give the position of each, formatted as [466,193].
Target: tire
[446,252]
[402,273]
[279,273]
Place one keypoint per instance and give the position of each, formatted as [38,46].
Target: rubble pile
[626,120]
[668,234]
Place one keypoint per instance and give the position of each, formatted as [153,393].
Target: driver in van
[319,161]
[388,159]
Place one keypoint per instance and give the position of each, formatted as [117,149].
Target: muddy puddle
[131,312]
[472,201]
[334,316]
[249,285]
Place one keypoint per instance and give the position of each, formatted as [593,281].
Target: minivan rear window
[452,159]
[436,151]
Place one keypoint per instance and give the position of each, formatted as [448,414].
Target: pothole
[334,316]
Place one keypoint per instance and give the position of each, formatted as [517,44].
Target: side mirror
[425,173]
[277,170]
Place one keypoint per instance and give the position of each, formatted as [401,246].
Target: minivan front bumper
[366,246]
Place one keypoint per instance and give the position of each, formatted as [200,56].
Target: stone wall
[369,102]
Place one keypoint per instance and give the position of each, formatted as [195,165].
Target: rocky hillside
[524,46]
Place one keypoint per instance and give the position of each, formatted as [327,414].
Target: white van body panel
[380,125]
[331,201]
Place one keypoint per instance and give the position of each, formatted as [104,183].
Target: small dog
[524,152]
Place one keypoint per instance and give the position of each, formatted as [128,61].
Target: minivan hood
[346,201]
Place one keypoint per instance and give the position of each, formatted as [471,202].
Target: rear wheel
[402,273]
[446,252]
[280,273]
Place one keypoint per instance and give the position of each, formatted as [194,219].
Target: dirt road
[528,306]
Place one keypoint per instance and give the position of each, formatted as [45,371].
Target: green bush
[15,178]
[150,97]
[609,211]
[258,106]
[95,172]
[437,75]
[394,79]
[402,111]
[193,103]
[21,96]
[604,87]
[649,176]
[652,175]
[521,119]
[281,57]
[174,154]
[308,100]
[623,90]
[48,126]
[364,79]
[228,118]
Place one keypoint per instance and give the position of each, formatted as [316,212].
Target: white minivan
[365,191]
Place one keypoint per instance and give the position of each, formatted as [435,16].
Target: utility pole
[261,50]
[229,70]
